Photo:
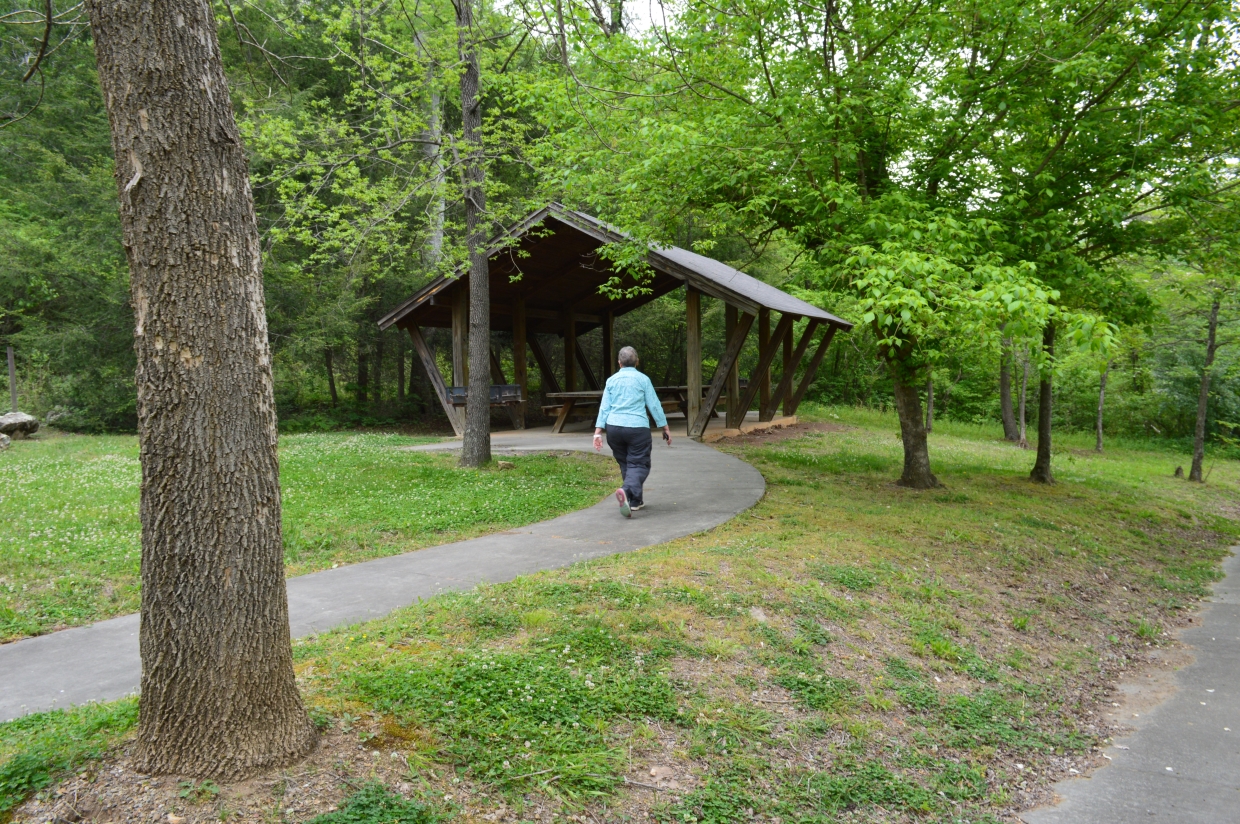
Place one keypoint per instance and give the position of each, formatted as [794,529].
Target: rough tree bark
[476,449]
[1102,396]
[917,474]
[1041,472]
[1010,429]
[218,693]
[1203,396]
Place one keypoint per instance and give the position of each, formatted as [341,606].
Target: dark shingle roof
[710,276]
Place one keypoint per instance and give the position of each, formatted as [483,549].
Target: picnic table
[673,398]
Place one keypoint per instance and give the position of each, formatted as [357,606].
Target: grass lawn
[845,651]
[69,539]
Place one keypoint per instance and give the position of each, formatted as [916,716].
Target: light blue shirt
[626,398]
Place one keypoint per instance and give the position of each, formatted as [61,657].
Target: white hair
[628,356]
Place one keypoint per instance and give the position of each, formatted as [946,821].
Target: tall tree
[476,449]
[825,126]
[1203,221]
[1007,412]
[218,692]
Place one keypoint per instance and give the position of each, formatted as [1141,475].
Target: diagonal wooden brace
[586,371]
[549,382]
[432,371]
[765,359]
[811,369]
[735,343]
[785,380]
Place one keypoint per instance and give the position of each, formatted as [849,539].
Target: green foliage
[39,748]
[522,719]
[376,804]
[849,577]
[988,717]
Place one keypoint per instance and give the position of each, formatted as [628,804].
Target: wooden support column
[460,337]
[570,352]
[735,343]
[549,381]
[812,368]
[432,372]
[784,389]
[609,345]
[693,352]
[520,369]
[790,362]
[735,414]
[764,375]
[764,366]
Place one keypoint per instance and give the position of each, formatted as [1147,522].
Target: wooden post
[12,379]
[609,345]
[790,362]
[432,372]
[734,414]
[570,352]
[520,370]
[764,375]
[811,369]
[784,389]
[735,343]
[693,352]
[460,337]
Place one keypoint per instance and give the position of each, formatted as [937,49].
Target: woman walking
[622,413]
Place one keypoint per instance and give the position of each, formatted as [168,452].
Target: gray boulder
[18,424]
[4,442]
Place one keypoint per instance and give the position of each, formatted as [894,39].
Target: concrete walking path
[1182,764]
[692,488]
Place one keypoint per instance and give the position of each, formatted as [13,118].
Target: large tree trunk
[917,474]
[930,404]
[1010,430]
[476,449]
[1102,396]
[1203,396]
[1042,464]
[218,692]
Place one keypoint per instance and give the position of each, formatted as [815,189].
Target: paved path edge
[692,488]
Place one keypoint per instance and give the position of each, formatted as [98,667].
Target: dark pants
[630,445]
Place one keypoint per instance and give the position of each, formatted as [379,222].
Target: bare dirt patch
[784,433]
[111,792]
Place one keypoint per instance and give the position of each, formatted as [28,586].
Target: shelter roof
[551,259]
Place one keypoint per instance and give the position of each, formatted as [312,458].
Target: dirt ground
[783,433]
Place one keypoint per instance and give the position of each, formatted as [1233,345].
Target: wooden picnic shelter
[545,279]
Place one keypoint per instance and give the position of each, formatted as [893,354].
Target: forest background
[948,175]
